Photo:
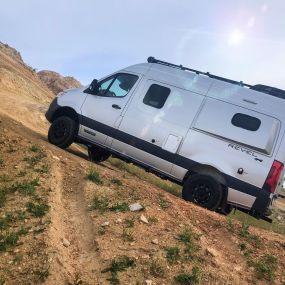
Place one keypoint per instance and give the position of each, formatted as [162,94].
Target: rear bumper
[52,110]
[261,208]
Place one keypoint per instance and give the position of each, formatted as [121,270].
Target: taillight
[273,176]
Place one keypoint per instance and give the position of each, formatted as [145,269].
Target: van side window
[118,85]
[246,122]
[156,96]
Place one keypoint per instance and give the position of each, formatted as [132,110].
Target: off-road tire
[62,132]
[97,154]
[203,190]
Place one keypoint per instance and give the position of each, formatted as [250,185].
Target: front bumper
[53,107]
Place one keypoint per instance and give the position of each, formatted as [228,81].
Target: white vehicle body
[201,127]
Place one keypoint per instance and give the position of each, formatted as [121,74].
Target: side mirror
[94,86]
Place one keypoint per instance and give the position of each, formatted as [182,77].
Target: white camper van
[221,139]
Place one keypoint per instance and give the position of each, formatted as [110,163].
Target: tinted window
[122,85]
[104,86]
[156,96]
[246,122]
[118,85]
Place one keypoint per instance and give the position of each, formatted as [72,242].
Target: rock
[55,157]
[65,242]
[144,219]
[135,207]
[279,218]
[148,282]
[237,268]
[56,82]
[106,224]
[155,241]
[212,251]
[118,221]
[145,256]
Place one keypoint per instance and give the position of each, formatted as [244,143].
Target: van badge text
[237,147]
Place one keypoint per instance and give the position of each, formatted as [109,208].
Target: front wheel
[203,190]
[97,154]
[62,132]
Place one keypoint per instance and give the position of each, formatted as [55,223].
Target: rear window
[156,96]
[246,122]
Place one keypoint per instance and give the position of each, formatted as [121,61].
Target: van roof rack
[239,83]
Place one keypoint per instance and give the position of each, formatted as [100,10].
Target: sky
[238,39]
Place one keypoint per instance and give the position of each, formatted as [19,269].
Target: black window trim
[238,125]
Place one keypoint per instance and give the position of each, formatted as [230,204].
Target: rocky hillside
[56,82]
[11,52]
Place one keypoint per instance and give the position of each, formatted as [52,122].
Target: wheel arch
[214,173]
[207,170]
[66,111]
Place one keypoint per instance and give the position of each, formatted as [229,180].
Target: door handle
[115,106]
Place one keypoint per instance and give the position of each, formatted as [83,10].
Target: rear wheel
[97,154]
[203,190]
[62,132]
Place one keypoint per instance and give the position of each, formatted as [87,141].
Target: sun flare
[235,38]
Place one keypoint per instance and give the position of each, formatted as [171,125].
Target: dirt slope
[56,82]
[21,91]
[88,235]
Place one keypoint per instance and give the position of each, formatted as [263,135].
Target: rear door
[101,113]
[242,138]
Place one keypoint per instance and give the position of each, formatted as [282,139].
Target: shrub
[38,210]
[2,197]
[34,160]
[188,238]
[116,181]
[189,279]
[244,232]
[130,222]
[162,202]
[230,225]
[120,264]
[100,204]
[172,254]
[157,268]
[8,240]
[26,188]
[120,207]
[34,148]
[94,176]
[127,236]
[266,267]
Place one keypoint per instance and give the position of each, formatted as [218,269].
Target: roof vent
[269,90]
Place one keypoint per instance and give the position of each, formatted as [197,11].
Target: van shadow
[79,153]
